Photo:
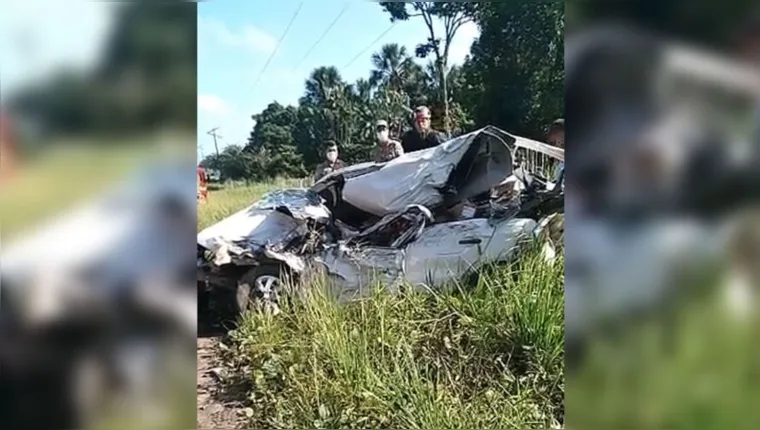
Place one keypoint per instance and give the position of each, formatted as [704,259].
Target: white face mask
[382,136]
[332,156]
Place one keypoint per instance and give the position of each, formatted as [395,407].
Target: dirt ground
[217,408]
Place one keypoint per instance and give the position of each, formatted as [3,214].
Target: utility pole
[212,133]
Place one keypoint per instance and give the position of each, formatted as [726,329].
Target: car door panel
[354,271]
[449,250]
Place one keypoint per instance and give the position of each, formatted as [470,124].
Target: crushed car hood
[468,165]
[268,221]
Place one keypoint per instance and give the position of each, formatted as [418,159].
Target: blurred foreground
[97,216]
[98,311]
[663,246]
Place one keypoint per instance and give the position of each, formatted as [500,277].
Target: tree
[707,22]
[272,144]
[233,163]
[323,86]
[391,65]
[514,78]
[454,15]
[363,90]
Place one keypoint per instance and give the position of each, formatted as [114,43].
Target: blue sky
[235,39]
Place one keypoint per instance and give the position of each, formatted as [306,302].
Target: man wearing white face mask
[387,149]
[331,164]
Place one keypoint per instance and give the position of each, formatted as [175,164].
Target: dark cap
[331,145]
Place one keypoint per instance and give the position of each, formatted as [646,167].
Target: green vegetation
[68,173]
[484,355]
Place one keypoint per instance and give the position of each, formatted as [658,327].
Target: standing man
[387,149]
[331,163]
[421,136]
[556,137]
[556,134]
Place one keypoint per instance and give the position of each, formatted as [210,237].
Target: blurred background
[662,246]
[97,214]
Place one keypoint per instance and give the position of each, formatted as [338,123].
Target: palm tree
[330,99]
[431,74]
[363,90]
[392,66]
[323,85]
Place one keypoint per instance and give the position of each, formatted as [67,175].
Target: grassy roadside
[488,357]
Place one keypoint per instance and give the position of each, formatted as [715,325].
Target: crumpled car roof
[471,164]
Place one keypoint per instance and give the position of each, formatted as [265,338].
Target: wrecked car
[421,220]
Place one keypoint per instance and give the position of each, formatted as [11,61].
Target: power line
[342,11]
[287,29]
[369,46]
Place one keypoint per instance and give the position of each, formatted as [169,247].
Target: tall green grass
[481,355]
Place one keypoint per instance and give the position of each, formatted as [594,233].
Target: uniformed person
[386,149]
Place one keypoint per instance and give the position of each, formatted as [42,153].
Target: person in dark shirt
[331,163]
[421,136]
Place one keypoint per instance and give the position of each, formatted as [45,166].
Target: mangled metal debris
[422,219]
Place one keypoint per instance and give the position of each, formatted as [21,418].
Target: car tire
[259,288]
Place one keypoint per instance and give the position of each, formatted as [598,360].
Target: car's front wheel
[260,288]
